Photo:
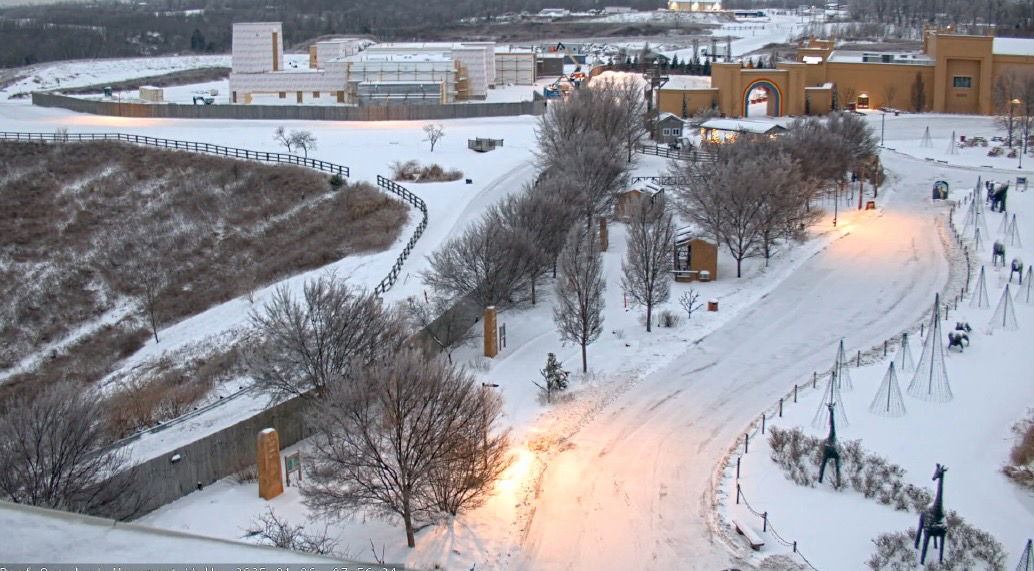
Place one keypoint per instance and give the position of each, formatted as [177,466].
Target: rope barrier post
[737,493]
[780,407]
[763,415]
[738,458]
[814,379]
[858,360]
[746,443]
[795,547]
[795,392]
[764,525]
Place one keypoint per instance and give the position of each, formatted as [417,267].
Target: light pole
[1012,105]
[883,126]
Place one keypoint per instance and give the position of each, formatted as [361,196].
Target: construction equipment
[560,87]
[577,75]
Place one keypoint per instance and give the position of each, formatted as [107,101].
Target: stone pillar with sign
[267,458]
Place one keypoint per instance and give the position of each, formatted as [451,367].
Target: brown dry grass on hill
[87,229]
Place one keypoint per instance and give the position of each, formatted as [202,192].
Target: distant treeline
[32,34]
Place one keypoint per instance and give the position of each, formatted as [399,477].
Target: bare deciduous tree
[443,320]
[409,438]
[918,93]
[49,450]
[433,133]
[305,346]
[689,302]
[303,140]
[647,266]
[281,136]
[490,262]
[578,312]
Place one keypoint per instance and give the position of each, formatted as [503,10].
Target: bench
[751,536]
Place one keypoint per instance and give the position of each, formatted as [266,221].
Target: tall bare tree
[303,346]
[447,322]
[648,259]
[433,133]
[491,262]
[50,453]
[409,438]
[578,312]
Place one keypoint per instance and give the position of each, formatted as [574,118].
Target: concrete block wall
[258,47]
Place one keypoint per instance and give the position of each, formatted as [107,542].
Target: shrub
[967,548]
[411,171]
[668,318]
[800,457]
[1021,457]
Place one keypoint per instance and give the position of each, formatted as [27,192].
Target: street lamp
[1012,105]
[883,126]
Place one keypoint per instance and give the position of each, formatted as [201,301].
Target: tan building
[952,74]
[695,5]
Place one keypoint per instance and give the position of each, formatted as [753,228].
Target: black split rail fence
[952,295]
[677,154]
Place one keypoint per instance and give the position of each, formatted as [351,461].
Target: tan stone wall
[877,80]
[670,100]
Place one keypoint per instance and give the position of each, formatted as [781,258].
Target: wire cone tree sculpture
[930,381]
[888,400]
[843,377]
[904,357]
[1027,559]
[1025,295]
[1003,226]
[926,141]
[1005,314]
[831,395]
[980,299]
[952,148]
[1013,233]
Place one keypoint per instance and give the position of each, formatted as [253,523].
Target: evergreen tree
[675,62]
[554,377]
[197,41]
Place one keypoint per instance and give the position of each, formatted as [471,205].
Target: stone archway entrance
[775,97]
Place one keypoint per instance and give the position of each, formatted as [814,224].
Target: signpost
[293,463]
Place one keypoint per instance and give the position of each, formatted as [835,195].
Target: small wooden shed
[626,201]
[695,259]
[670,129]
[484,145]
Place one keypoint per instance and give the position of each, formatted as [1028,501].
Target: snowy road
[635,487]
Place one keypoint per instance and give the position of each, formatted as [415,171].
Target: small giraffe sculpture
[830,450]
[931,521]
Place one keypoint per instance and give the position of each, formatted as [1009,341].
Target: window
[963,81]
[677,132]
[666,132]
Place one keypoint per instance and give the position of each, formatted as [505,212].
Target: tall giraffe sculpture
[931,521]
[830,450]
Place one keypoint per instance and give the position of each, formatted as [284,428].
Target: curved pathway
[634,488]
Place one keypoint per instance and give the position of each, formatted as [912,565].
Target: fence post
[858,360]
[763,415]
[795,547]
[764,525]
[814,379]
[795,392]
[746,443]
[884,347]
[738,458]
[737,493]
[781,407]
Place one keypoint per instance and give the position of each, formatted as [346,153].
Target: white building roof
[841,56]
[742,125]
[688,82]
[1013,47]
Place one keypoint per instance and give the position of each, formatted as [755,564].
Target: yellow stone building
[952,74]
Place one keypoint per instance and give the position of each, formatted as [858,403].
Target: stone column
[267,458]
[604,242]
[491,338]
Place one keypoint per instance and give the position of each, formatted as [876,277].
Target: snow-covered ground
[623,471]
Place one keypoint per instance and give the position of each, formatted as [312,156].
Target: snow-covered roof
[33,534]
[1013,47]
[841,56]
[668,115]
[688,82]
[742,125]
